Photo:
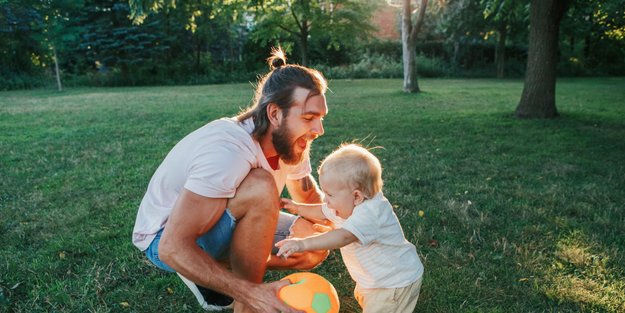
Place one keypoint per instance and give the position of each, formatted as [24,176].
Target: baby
[384,265]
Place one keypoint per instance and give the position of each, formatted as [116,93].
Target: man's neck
[270,151]
[267,146]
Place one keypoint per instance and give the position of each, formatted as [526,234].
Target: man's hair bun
[277,58]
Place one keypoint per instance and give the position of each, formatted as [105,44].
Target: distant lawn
[520,215]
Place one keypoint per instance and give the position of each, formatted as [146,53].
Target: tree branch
[419,22]
[297,22]
[287,30]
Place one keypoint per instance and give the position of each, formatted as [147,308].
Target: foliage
[383,66]
[518,216]
[217,41]
[19,50]
[592,39]
[324,25]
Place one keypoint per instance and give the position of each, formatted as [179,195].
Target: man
[215,198]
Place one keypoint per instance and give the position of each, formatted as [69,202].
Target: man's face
[302,125]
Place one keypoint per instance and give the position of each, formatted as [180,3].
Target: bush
[22,81]
[382,66]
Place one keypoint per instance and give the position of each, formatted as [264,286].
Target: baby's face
[337,195]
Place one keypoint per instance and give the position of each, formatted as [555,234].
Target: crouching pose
[211,212]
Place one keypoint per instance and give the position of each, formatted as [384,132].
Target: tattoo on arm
[307,184]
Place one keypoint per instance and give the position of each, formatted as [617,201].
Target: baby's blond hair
[355,166]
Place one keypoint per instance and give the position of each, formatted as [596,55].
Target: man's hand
[264,298]
[320,228]
[290,246]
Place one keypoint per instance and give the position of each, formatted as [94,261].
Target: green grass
[520,215]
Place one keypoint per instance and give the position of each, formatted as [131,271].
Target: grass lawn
[519,215]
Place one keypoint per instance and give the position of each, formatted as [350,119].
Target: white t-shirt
[211,161]
[382,257]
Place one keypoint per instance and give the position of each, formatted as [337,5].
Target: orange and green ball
[311,293]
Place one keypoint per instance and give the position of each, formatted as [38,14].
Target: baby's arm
[307,211]
[334,239]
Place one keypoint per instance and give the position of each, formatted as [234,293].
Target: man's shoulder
[227,128]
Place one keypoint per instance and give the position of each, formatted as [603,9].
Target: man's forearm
[309,192]
[192,262]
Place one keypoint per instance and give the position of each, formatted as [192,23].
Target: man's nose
[317,129]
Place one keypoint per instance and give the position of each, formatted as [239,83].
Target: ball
[311,293]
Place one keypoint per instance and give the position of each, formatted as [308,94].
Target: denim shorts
[216,242]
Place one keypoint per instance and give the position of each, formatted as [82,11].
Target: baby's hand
[289,246]
[289,204]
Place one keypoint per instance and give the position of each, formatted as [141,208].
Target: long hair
[277,87]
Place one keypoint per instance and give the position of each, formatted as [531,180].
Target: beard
[284,143]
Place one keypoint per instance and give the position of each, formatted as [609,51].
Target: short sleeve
[218,170]
[331,216]
[363,223]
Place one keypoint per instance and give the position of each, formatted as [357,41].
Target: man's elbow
[166,252]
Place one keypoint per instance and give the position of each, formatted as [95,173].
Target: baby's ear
[359,197]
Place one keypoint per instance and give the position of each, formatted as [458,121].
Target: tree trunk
[198,54]
[500,52]
[411,83]
[456,55]
[56,70]
[538,97]
[303,39]
[409,34]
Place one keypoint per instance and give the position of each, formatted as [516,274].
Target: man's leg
[255,207]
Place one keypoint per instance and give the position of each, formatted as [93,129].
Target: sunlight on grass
[582,275]
[508,215]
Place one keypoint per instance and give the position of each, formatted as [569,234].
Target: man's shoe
[209,299]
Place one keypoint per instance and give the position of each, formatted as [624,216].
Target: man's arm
[192,216]
[304,190]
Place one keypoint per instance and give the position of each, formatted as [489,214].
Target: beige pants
[389,300]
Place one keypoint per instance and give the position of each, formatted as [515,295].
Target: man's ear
[274,113]
[359,197]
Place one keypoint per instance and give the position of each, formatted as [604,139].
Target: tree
[18,23]
[56,32]
[337,22]
[409,34]
[111,43]
[38,32]
[502,15]
[538,97]
[593,33]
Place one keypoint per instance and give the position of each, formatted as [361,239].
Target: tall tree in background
[37,32]
[56,33]
[593,35]
[338,22]
[19,50]
[538,99]
[460,23]
[502,15]
[409,34]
